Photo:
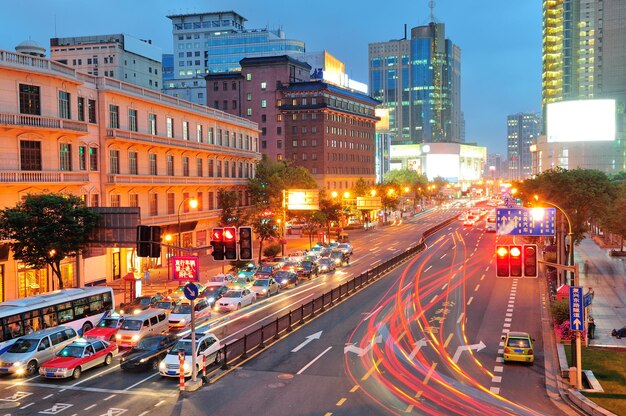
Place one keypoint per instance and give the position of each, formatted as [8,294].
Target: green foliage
[272,250]
[46,228]
[232,214]
[361,188]
[560,311]
[405,178]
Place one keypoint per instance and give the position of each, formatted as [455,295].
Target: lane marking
[494,390]
[477,287]
[141,381]
[441,258]
[110,397]
[428,268]
[496,379]
[458,321]
[445,345]
[90,407]
[101,390]
[355,388]
[498,369]
[341,401]
[433,299]
[470,300]
[446,285]
[430,373]
[371,370]
[314,360]
[50,395]
[159,403]
[28,405]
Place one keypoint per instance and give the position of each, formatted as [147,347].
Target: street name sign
[576,319]
[526,221]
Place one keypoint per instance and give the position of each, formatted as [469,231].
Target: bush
[563,331]
[271,250]
[560,311]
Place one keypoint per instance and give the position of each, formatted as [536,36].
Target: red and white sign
[185,268]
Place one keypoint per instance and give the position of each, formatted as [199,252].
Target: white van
[148,322]
[25,355]
[181,315]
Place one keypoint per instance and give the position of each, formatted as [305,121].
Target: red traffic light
[502,261]
[516,261]
[229,233]
[217,235]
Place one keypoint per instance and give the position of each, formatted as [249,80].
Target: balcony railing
[27,120]
[43,177]
[173,180]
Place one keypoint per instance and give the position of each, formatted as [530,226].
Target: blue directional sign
[190,291]
[526,221]
[576,308]
[587,299]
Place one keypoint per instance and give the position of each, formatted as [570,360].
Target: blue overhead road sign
[526,221]
[576,309]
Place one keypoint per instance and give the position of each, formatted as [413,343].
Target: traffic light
[217,241]
[530,260]
[143,241]
[502,261]
[230,243]
[155,241]
[245,243]
[515,262]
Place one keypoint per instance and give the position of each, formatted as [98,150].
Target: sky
[500,40]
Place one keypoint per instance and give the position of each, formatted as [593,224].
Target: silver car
[25,355]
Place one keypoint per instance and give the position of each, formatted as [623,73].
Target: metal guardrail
[237,351]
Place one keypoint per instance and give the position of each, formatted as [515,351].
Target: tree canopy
[46,228]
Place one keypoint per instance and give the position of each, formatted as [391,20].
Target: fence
[235,352]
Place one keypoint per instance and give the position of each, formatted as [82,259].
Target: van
[148,322]
[27,352]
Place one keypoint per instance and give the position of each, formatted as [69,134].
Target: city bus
[77,308]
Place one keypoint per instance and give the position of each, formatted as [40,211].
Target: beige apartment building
[115,145]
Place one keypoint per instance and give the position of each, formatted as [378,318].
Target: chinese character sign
[576,308]
[185,268]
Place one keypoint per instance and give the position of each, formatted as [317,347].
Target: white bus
[78,308]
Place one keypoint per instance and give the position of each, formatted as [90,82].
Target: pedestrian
[586,267]
[591,328]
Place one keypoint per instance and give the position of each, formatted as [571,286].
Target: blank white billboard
[581,121]
[446,166]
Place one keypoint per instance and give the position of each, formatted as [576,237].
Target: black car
[148,353]
[213,293]
[308,269]
[140,303]
[286,278]
[340,257]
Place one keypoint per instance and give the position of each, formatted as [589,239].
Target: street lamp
[168,240]
[193,203]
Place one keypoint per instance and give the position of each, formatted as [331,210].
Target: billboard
[303,199]
[443,165]
[581,121]
[185,268]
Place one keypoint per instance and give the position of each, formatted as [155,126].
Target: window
[225,86]
[30,155]
[219,137]
[133,200]
[279,144]
[114,116]
[279,117]
[234,104]
[81,109]
[199,167]
[91,110]
[248,77]
[170,165]
[304,157]
[185,130]
[211,169]
[115,200]
[114,161]
[294,143]
[314,143]
[170,126]
[219,168]
[171,203]
[313,156]
[279,131]
[185,166]
[210,135]
[93,158]
[65,157]
[64,105]
[94,200]
[199,133]
[303,143]
[132,163]
[216,105]
[154,204]
[226,171]
[263,103]
[249,112]
[225,105]
[249,96]
[263,85]
[132,119]
[82,158]
[152,124]
[263,131]
[313,100]
[153,164]
[30,101]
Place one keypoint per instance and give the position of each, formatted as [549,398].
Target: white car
[235,299]
[219,280]
[345,247]
[207,345]
[181,314]
[264,287]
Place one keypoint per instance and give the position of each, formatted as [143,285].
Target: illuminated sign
[581,121]
[405,150]
[303,199]
[185,268]
[526,221]
[368,203]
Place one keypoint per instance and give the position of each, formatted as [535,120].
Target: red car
[106,328]
[77,357]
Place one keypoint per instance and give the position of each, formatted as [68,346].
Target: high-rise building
[522,131]
[419,80]
[118,56]
[215,42]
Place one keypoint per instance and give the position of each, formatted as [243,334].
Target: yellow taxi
[518,346]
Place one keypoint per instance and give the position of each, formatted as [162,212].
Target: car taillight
[507,351]
[530,351]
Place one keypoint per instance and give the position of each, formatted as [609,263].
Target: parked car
[236,299]
[213,293]
[207,345]
[308,269]
[286,278]
[340,258]
[24,356]
[181,315]
[148,353]
[77,357]
[264,287]
[326,265]
[518,346]
[106,328]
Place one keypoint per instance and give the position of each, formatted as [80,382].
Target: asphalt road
[110,391]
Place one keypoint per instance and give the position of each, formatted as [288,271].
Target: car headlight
[162,365]
[135,338]
[186,366]
[264,290]
[118,336]
[18,364]
[211,299]
[143,360]
[63,369]
[182,321]
[285,281]
[121,311]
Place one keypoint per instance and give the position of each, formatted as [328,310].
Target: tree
[361,188]
[44,229]
[613,217]
[312,222]
[232,214]
[265,228]
[406,178]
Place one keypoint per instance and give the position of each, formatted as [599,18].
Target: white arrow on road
[308,339]
[462,348]
[418,345]
[362,351]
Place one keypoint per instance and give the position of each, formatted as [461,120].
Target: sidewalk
[607,277]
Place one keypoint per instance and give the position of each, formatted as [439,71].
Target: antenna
[431,5]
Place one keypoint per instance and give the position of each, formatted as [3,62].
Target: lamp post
[193,203]
[168,239]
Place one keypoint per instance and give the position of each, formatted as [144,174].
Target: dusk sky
[500,41]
